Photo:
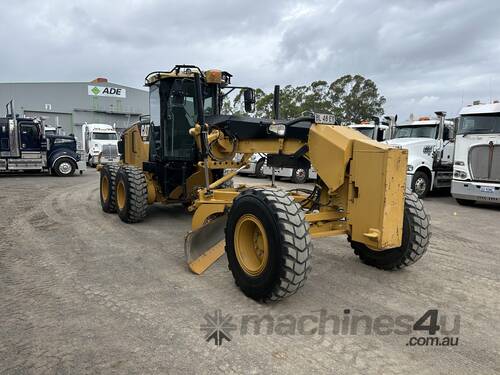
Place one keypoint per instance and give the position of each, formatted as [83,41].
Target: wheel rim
[251,245]
[105,188]
[120,195]
[420,186]
[259,169]
[300,174]
[65,167]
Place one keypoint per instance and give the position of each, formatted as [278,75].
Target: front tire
[131,194]
[268,244]
[416,235]
[108,187]
[259,168]
[300,175]
[421,184]
[465,202]
[64,167]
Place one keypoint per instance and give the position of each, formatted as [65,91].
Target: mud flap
[205,245]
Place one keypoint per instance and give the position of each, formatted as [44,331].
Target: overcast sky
[423,55]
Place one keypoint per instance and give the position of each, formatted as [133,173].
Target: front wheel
[421,184]
[268,244]
[259,168]
[416,235]
[299,175]
[64,167]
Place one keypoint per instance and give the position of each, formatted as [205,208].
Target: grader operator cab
[180,153]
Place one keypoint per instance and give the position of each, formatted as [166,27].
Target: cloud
[423,55]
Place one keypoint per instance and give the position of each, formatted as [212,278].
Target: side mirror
[249,99]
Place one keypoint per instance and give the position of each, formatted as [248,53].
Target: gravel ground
[82,292]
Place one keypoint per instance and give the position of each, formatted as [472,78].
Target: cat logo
[145,132]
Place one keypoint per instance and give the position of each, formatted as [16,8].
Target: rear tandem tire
[268,244]
[416,235]
[131,194]
[108,187]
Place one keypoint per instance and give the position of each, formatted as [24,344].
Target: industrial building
[68,105]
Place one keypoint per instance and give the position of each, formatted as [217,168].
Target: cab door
[448,147]
[4,136]
[30,136]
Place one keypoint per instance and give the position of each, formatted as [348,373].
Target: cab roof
[426,122]
[478,109]
[187,71]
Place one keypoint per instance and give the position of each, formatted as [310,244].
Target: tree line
[350,98]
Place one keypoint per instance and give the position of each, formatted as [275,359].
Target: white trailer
[100,140]
[476,170]
[430,145]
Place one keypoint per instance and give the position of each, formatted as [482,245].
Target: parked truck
[24,146]
[373,130]
[100,142]
[476,170]
[430,144]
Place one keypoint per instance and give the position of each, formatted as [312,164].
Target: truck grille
[109,151]
[484,162]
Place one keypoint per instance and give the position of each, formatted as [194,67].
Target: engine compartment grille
[110,151]
[484,162]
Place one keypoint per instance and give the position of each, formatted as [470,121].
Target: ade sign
[107,91]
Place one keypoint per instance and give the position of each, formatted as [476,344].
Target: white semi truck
[259,168]
[476,170]
[430,144]
[100,140]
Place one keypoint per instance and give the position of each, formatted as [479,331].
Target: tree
[355,98]
[350,98]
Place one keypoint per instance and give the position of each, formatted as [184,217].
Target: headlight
[460,175]
[409,168]
[277,129]
[459,163]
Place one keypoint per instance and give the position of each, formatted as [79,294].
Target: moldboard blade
[205,245]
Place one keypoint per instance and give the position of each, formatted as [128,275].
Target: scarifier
[181,154]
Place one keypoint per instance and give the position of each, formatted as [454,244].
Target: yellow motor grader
[181,154]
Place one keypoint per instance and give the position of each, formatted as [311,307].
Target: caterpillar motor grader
[179,154]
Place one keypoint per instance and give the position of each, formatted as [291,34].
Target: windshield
[479,124]
[104,136]
[366,131]
[417,131]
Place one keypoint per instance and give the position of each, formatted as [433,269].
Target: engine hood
[409,142]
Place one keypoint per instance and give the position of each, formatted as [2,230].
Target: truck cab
[430,144]
[476,170]
[24,146]
[374,131]
[100,143]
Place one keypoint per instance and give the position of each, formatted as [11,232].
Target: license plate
[487,189]
[324,118]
